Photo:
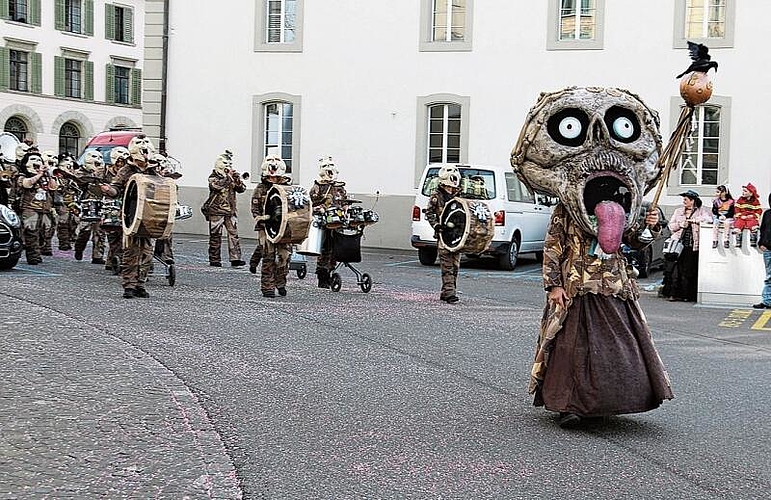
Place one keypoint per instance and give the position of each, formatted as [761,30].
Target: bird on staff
[701,59]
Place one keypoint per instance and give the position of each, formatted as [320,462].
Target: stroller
[346,248]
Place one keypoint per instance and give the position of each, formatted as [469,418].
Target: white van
[521,218]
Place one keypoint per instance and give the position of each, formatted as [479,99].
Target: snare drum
[91,210]
[110,211]
[183,212]
[355,216]
[334,218]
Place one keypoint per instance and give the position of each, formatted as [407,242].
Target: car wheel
[9,263]
[644,267]
[427,256]
[508,260]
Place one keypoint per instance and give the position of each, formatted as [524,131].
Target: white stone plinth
[729,276]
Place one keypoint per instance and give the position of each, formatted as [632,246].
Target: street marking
[35,271]
[736,318]
[393,264]
[760,324]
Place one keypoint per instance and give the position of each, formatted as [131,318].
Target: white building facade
[386,87]
[70,69]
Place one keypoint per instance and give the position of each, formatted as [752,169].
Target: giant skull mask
[589,145]
[93,161]
[141,149]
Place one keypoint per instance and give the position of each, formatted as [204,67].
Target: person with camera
[221,211]
[449,262]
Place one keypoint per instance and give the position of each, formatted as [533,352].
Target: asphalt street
[208,390]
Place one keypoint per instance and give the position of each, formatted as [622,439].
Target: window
[122,85]
[516,191]
[279,26]
[278,131]
[72,16]
[17,10]
[710,22]
[446,25]
[19,71]
[17,127]
[21,11]
[444,133]
[69,139]
[704,161]
[118,23]
[72,78]
[575,24]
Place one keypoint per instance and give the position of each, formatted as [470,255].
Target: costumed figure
[449,262]
[597,150]
[220,210]
[35,186]
[68,213]
[137,250]
[275,256]
[164,247]
[51,161]
[118,157]
[722,214]
[327,193]
[88,174]
[747,212]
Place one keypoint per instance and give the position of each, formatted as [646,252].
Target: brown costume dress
[596,356]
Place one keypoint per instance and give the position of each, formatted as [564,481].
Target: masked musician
[449,262]
[118,157]
[220,208]
[137,250]
[164,246]
[35,186]
[327,193]
[68,213]
[88,174]
[51,161]
[275,257]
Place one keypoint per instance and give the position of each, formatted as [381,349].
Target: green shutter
[109,21]
[34,12]
[5,67]
[136,87]
[109,95]
[128,23]
[59,23]
[36,73]
[4,14]
[88,17]
[59,76]
[88,80]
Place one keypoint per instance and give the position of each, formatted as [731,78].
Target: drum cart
[171,272]
[299,264]
[346,248]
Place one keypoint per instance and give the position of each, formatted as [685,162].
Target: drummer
[327,193]
[449,262]
[118,157]
[89,173]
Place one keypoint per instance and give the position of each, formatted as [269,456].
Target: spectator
[764,244]
[747,212]
[722,212]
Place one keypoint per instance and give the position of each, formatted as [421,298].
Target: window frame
[78,138]
[427,42]
[424,104]
[553,17]
[24,129]
[127,79]
[15,3]
[261,29]
[675,185]
[68,81]
[27,70]
[259,130]
[68,15]
[680,40]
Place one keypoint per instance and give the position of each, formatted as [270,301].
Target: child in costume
[722,213]
[747,211]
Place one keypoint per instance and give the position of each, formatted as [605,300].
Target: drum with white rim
[149,206]
[467,226]
[289,210]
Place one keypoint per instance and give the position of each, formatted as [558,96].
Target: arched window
[69,139]
[17,127]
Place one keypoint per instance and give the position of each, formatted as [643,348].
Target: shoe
[78,254]
[282,291]
[451,299]
[323,276]
[726,244]
[128,293]
[47,253]
[141,292]
[97,261]
[34,262]
[269,294]
[215,264]
[65,248]
[760,306]
[253,269]
[569,420]
[108,267]
[237,263]
[714,244]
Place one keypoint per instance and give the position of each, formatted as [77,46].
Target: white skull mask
[273,166]
[21,150]
[93,161]
[32,162]
[141,149]
[223,163]
[327,170]
[588,145]
[66,163]
[50,159]
[449,176]
[118,153]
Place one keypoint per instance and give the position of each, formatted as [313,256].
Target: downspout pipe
[164,76]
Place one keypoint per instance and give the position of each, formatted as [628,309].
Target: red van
[105,141]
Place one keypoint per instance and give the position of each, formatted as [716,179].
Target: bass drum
[149,206]
[467,226]
[289,209]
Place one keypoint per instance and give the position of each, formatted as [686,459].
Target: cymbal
[349,201]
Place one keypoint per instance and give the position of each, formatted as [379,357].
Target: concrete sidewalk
[86,415]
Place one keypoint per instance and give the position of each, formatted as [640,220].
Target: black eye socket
[622,124]
[568,127]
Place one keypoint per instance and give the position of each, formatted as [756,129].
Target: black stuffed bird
[701,59]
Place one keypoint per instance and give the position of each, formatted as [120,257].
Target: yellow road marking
[760,324]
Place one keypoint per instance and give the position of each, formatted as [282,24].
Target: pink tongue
[610,225]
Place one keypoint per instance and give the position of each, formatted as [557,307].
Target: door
[523,211]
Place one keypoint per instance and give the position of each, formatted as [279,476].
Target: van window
[516,191]
[105,150]
[475,183]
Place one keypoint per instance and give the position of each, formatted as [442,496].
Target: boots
[323,275]
[753,238]
[739,240]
